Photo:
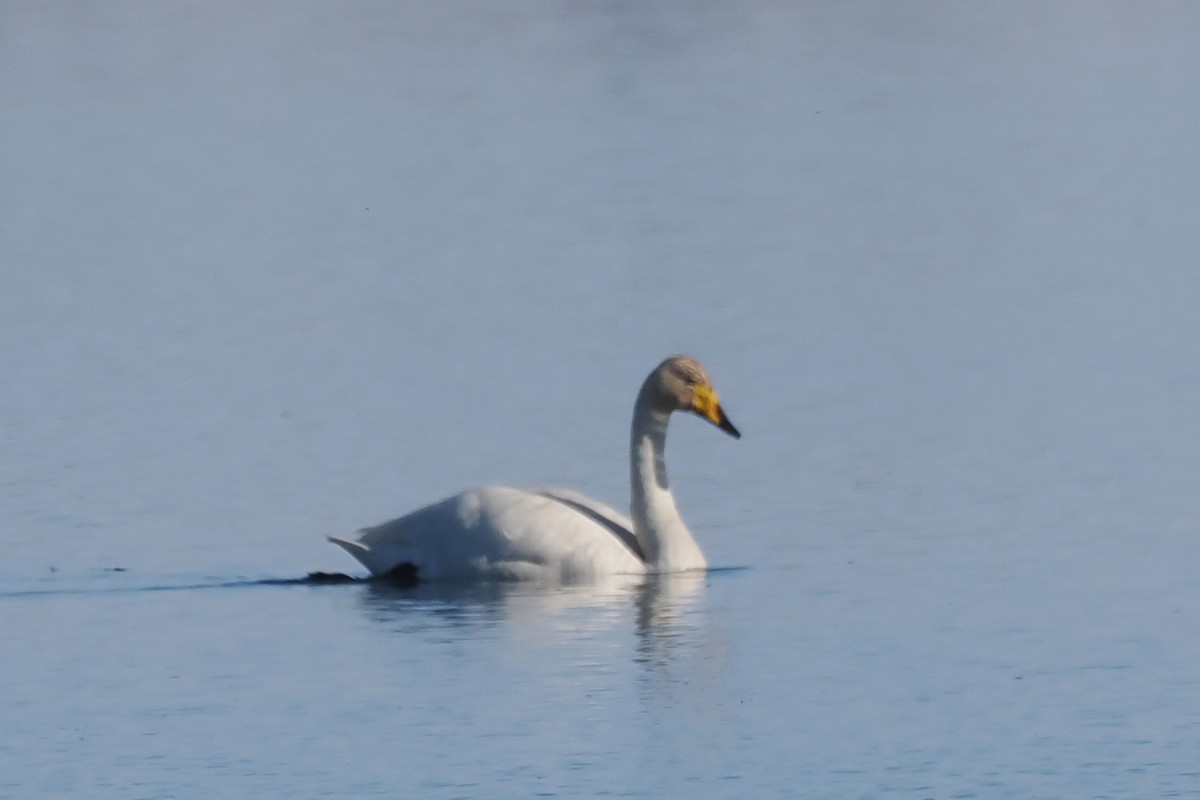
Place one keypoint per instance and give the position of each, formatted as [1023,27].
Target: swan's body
[501,533]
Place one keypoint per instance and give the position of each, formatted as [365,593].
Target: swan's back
[502,533]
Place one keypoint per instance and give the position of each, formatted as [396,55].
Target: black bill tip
[724,424]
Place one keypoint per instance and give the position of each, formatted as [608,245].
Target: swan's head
[681,384]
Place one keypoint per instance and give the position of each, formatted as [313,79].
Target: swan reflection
[660,604]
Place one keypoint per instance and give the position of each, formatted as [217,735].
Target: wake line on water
[311,579]
[404,581]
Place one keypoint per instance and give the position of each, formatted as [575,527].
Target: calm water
[271,272]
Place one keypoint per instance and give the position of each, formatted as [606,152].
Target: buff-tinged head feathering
[680,383]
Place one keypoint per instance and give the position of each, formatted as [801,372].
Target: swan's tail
[350,547]
[360,551]
[379,560]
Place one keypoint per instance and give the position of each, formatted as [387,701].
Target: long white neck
[666,541]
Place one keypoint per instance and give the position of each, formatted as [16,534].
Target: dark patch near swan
[324,577]
[402,575]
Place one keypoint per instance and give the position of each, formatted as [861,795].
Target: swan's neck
[665,540]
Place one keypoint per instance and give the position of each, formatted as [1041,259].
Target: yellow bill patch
[707,404]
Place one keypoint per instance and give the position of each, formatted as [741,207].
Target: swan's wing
[616,522]
[499,532]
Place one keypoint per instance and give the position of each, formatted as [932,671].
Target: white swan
[500,533]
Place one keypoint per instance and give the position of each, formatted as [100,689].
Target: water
[276,272]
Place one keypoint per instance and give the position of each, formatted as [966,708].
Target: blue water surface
[272,272]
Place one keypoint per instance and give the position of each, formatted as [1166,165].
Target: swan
[558,535]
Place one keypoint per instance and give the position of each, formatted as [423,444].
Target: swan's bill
[708,405]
